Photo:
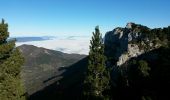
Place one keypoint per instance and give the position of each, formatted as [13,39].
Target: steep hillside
[43,67]
[139,60]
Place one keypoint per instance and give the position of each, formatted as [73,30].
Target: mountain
[43,66]
[30,39]
[122,44]
[139,60]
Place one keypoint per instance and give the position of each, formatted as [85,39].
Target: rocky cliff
[139,60]
[121,44]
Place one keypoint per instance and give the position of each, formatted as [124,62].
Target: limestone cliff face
[121,44]
[132,51]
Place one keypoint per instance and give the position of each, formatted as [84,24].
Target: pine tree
[97,78]
[11,60]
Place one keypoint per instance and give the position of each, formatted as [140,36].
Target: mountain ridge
[42,64]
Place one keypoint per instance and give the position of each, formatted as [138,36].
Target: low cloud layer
[71,44]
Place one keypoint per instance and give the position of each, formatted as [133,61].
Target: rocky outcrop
[121,44]
[132,51]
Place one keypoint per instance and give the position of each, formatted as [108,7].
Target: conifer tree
[11,60]
[97,78]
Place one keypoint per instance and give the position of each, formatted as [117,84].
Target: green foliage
[138,68]
[11,87]
[143,68]
[3,31]
[146,98]
[157,36]
[97,78]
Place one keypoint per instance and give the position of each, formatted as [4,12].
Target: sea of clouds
[66,44]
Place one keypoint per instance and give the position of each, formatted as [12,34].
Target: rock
[121,44]
[133,51]
[129,25]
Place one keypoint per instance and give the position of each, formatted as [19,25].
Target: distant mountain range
[29,39]
[43,38]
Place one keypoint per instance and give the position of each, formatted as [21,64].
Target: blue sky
[79,17]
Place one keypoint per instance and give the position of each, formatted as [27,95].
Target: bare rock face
[121,44]
[133,51]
